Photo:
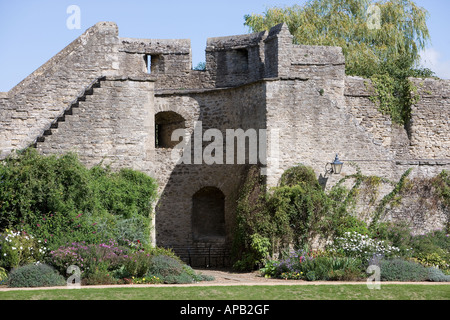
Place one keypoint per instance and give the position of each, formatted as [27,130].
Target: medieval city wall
[118,100]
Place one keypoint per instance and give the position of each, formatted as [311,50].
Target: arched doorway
[208,215]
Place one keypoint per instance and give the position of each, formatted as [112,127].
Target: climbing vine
[389,198]
[394,97]
[299,210]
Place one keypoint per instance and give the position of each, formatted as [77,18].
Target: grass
[266,293]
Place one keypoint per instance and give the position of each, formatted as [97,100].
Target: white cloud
[433,59]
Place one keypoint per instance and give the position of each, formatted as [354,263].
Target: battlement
[230,61]
[118,100]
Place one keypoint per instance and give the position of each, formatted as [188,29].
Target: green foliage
[35,275]
[432,249]
[389,198]
[100,275]
[299,175]
[3,276]
[298,206]
[402,34]
[59,200]
[18,249]
[172,271]
[253,223]
[201,66]
[436,275]
[442,184]
[363,247]
[302,265]
[137,264]
[349,223]
[291,214]
[387,54]
[434,259]
[111,263]
[402,270]
[398,234]
[298,211]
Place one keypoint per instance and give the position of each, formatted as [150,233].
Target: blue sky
[32,31]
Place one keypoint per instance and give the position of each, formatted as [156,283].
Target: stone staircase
[88,91]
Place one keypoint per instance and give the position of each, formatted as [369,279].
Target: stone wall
[45,94]
[96,97]
[429,130]
[112,125]
[222,109]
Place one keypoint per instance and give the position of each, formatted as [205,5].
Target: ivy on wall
[298,210]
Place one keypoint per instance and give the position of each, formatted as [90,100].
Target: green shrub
[18,249]
[299,175]
[163,266]
[137,264]
[171,270]
[311,276]
[363,247]
[35,275]
[349,223]
[3,276]
[437,241]
[312,266]
[397,234]
[434,259]
[57,199]
[90,258]
[436,275]
[297,212]
[100,276]
[402,270]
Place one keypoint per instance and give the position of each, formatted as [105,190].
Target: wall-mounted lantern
[336,166]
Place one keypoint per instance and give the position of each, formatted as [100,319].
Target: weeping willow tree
[381,40]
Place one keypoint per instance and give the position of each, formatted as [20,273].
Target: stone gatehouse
[120,99]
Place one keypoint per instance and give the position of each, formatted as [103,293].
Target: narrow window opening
[148,62]
[165,124]
[152,63]
[241,60]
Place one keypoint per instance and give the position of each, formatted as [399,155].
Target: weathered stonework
[118,99]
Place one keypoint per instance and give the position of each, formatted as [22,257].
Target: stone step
[70,111]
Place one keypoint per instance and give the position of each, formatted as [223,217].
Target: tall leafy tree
[380,40]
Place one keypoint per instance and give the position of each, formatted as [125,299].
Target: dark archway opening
[165,124]
[208,215]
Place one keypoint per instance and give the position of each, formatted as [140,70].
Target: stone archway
[208,215]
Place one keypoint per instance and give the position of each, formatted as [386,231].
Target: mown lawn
[304,292]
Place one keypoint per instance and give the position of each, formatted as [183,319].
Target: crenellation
[118,100]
